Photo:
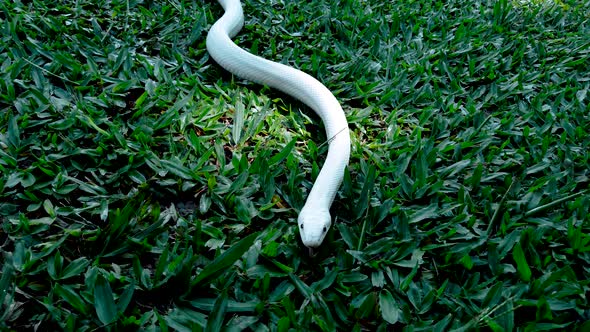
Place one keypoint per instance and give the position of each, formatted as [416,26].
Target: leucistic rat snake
[314,218]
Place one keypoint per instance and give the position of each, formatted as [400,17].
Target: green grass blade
[225,260]
[104,302]
[522,266]
[215,321]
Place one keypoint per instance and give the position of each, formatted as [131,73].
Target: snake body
[314,219]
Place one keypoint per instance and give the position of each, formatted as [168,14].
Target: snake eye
[301,226]
[325,229]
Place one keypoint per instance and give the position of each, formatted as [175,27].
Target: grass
[142,187]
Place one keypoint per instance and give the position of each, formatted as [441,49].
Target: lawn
[142,187]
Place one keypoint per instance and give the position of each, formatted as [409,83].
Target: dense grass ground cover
[143,187]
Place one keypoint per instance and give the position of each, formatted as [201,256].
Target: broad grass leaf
[494,295]
[163,325]
[89,122]
[104,302]
[420,168]
[75,268]
[363,201]
[27,179]
[63,124]
[415,296]
[122,57]
[505,317]
[281,291]
[353,277]
[507,243]
[136,177]
[325,282]
[215,321]
[283,153]
[7,274]
[176,167]
[207,304]
[548,279]
[389,307]
[544,312]
[475,178]
[467,262]
[522,266]
[304,289]
[283,324]
[225,260]
[349,236]
[428,301]
[493,260]
[242,323]
[171,115]
[378,279]
[13,180]
[184,319]
[384,210]
[8,160]
[48,206]
[54,264]
[238,125]
[427,212]
[441,326]
[6,292]
[104,210]
[367,306]
[289,309]
[126,297]
[48,250]
[67,293]
[162,264]
[451,170]
[13,133]
[408,279]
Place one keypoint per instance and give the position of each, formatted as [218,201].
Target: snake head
[313,226]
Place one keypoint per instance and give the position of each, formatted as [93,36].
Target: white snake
[314,219]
